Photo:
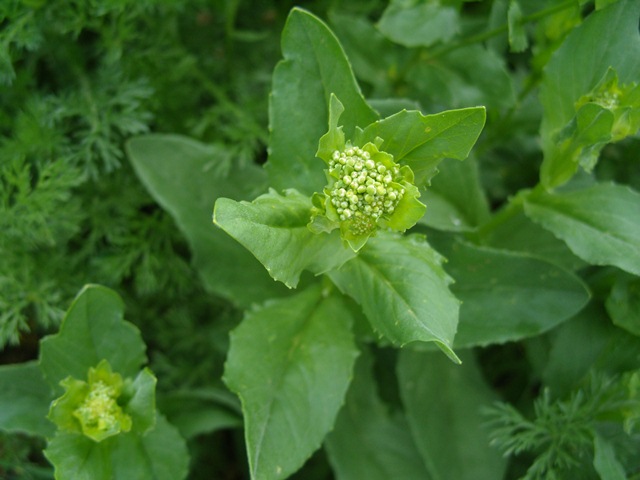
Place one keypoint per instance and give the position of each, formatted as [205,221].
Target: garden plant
[326,240]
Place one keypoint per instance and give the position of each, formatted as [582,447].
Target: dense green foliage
[122,124]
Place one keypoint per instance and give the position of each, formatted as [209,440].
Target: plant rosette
[366,189]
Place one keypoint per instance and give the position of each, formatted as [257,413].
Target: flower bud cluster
[365,190]
[100,410]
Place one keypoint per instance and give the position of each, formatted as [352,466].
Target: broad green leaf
[78,457]
[141,406]
[24,400]
[623,303]
[534,295]
[423,141]
[368,441]
[419,24]
[608,38]
[160,454]
[92,330]
[599,223]
[274,228]
[314,67]
[605,461]
[443,402]
[517,35]
[184,177]
[403,290]
[290,362]
[455,200]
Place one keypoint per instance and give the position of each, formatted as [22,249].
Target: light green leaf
[608,38]
[517,36]
[443,402]
[141,405]
[403,290]
[24,400]
[181,175]
[423,141]
[290,362]
[605,461]
[455,201]
[623,303]
[160,454]
[92,330]
[599,223]
[368,441]
[534,295]
[274,228]
[314,67]
[419,25]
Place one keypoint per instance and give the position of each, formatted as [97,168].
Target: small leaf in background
[313,68]
[182,176]
[599,223]
[290,362]
[443,403]
[623,303]
[403,290]
[517,35]
[605,461]
[274,228]
[608,38]
[92,330]
[423,141]
[369,441]
[419,24]
[534,295]
[455,200]
[25,397]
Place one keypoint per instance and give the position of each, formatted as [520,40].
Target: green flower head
[366,189]
[91,407]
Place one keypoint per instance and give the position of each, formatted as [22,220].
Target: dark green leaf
[274,228]
[533,295]
[623,303]
[443,402]
[92,330]
[313,68]
[423,141]
[368,442]
[24,400]
[290,362]
[181,175]
[605,461]
[421,24]
[78,457]
[403,290]
[599,223]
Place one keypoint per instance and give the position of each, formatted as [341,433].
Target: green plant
[437,177]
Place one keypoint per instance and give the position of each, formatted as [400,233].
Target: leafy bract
[274,228]
[534,295]
[598,223]
[574,131]
[443,404]
[314,67]
[423,141]
[368,441]
[181,175]
[403,290]
[290,361]
[419,23]
[25,398]
[93,330]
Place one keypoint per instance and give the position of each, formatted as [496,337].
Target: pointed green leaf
[517,35]
[274,228]
[419,24]
[599,223]
[24,399]
[605,461]
[314,67]
[443,402]
[403,290]
[290,362]
[368,442]
[608,38]
[141,406]
[534,295]
[423,141]
[184,177]
[92,330]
